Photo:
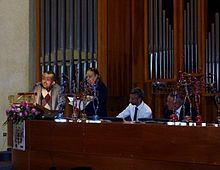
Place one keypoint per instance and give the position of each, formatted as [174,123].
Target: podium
[22,108]
[28,97]
[17,99]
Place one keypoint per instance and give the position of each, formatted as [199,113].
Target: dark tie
[135,114]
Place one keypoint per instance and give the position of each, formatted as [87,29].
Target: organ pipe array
[160,42]
[160,56]
[191,36]
[212,54]
[69,39]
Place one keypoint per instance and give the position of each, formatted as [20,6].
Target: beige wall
[14,54]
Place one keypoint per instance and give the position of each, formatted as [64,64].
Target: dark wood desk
[118,146]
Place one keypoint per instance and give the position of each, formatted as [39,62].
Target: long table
[117,146]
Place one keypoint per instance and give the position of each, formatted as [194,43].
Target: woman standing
[98,93]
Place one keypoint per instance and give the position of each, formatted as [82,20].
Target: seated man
[175,107]
[48,92]
[137,108]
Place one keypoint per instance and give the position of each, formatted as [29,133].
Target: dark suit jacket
[167,113]
[102,98]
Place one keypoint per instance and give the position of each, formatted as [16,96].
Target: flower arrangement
[20,112]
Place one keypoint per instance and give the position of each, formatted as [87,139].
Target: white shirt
[178,112]
[144,111]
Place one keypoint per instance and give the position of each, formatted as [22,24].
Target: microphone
[37,84]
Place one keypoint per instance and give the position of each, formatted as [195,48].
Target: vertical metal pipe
[48,33]
[85,34]
[151,34]
[155,38]
[62,24]
[196,34]
[79,42]
[167,50]
[63,38]
[172,64]
[71,24]
[217,49]
[188,36]
[191,36]
[95,26]
[67,27]
[206,60]
[72,78]
[210,53]
[213,51]
[160,38]
[54,33]
[185,41]
[164,44]
[71,43]
[90,31]
[42,36]
[83,24]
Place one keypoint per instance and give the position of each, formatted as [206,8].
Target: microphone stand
[95,103]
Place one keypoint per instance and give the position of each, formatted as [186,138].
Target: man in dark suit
[175,107]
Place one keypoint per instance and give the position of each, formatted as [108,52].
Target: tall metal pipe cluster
[191,36]
[160,42]
[69,38]
[212,54]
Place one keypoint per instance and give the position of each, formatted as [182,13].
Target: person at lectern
[175,107]
[48,92]
[97,94]
[137,108]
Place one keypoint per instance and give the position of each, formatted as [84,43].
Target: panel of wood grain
[118,145]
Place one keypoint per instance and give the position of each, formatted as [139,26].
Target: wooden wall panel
[119,47]
[127,52]
[202,32]
[178,36]
[137,42]
[38,40]
[102,39]
[145,34]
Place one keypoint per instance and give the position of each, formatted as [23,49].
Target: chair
[116,104]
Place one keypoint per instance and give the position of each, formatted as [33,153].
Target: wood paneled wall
[124,49]
[119,48]
[124,32]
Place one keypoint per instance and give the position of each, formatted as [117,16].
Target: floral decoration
[20,112]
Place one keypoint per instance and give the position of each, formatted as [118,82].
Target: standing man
[48,92]
[137,108]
